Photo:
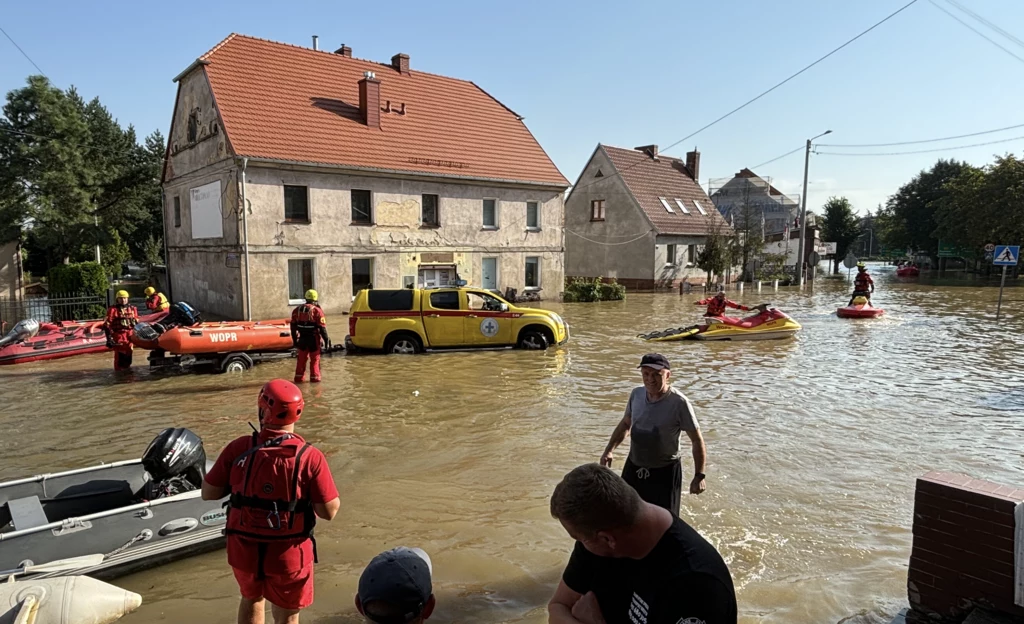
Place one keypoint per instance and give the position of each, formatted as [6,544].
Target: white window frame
[691,255]
[351,273]
[525,262]
[700,208]
[671,254]
[497,213]
[288,276]
[664,202]
[682,206]
[532,228]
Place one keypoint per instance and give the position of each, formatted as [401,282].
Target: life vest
[264,505]
[122,318]
[157,301]
[861,281]
[307,320]
[716,307]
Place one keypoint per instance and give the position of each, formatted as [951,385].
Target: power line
[590,240]
[986,22]
[766,92]
[768,162]
[23,53]
[977,32]
[959,136]
[941,149]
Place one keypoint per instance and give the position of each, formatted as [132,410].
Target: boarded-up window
[207,220]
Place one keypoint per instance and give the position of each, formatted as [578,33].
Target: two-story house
[291,168]
[639,217]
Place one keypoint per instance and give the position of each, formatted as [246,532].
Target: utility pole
[803,211]
[96,220]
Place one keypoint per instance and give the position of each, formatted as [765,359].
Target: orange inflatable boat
[223,337]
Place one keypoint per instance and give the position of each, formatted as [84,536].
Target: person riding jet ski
[717,304]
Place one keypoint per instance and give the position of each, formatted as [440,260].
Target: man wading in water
[655,416]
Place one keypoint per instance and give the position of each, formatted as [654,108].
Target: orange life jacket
[307,321]
[264,505]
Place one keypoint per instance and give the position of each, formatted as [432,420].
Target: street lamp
[803,211]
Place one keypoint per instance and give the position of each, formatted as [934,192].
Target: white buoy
[415,392]
[65,600]
[758,285]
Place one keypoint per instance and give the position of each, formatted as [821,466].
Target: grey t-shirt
[656,427]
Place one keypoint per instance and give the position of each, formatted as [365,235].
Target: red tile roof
[649,180]
[284,102]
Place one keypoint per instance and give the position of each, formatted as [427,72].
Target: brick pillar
[964,548]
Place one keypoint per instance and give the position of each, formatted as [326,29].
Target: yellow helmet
[150,291]
[120,294]
[311,295]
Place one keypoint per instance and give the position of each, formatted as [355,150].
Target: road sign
[1006,255]
[814,258]
[830,248]
[989,248]
[850,261]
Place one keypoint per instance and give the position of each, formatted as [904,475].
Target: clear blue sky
[625,74]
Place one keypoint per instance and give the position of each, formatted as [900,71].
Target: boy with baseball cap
[395,587]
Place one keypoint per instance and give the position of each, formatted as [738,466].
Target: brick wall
[963,553]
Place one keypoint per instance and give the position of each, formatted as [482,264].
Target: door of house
[490,270]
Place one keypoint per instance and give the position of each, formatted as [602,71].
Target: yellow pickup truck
[416,320]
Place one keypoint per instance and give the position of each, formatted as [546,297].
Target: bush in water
[582,289]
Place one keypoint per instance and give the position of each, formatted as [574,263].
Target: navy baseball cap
[399,578]
[656,361]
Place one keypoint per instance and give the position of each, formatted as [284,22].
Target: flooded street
[814,444]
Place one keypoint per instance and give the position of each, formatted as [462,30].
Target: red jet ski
[908,271]
[860,309]
[31,341]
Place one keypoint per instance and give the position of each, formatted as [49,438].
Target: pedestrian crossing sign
[1006,255]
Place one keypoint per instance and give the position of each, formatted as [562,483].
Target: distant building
[291,168]
[750,203]
[639,217]
[11,274]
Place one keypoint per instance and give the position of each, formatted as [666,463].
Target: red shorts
[288,591]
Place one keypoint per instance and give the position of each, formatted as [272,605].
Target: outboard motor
[180,314]
[22,331]
[146,332]
[176,461]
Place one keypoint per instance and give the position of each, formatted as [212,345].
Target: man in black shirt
[634,562]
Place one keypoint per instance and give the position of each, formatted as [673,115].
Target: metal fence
[62,307]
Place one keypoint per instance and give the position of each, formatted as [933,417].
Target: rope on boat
[143,535]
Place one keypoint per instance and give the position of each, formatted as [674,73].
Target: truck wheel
[403,344]
[533,340]
[237,363]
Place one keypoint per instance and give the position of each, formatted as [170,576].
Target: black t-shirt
[682,581]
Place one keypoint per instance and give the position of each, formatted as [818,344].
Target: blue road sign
[1006,255]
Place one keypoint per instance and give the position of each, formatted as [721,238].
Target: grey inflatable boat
[138,513]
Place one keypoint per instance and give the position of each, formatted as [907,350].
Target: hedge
[581,289]
[83,279]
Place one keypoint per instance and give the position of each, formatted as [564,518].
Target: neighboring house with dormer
[749,198]
[639,217]
[292,168]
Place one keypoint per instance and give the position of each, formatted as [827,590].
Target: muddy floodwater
[814,444]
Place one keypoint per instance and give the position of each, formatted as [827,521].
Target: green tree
[841,226]
[74,177]
[984,205]
[716,256]
[909,216]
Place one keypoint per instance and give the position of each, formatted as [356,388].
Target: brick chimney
[344,50]
[369,99]
[650,150]
[693,163]
[401,63]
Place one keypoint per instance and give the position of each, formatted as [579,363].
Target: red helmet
[280,403]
